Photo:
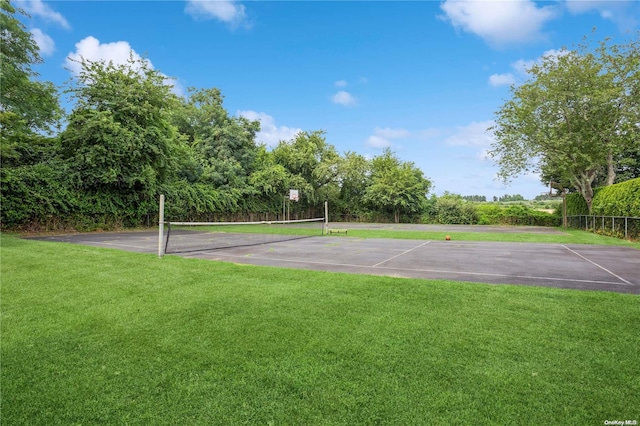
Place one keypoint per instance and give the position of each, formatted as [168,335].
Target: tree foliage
[28,107]
[396,186]
[129,139]
[573,118]
[119,138]
[224,146]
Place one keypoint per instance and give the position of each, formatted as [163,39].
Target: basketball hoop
[293,195]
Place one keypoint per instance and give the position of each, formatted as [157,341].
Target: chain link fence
[615,226]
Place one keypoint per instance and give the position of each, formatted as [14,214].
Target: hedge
[621,199]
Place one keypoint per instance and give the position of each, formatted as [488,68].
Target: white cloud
[269,133]
[553,53]
[473,135]
[378,142]
[499,23]
[44,42]
[176,87]
[389,133]
[117,52]
[42,10]
[340,83]
[91,49]
[624,13]
[521,68]
[228,11]
[429,133]
[382,137]
[502,79]
[344,98]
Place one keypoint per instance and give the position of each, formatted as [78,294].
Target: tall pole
[326,217]
[564,209]
[161,227]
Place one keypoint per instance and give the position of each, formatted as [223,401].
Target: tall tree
[354,175]
[570,119]
[623,64]
[225,145]
[397,187]
[313,164]
[28,107]
[119,138]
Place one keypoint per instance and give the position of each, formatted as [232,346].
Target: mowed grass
[567,236]
[97,336]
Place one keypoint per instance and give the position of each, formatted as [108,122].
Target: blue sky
[421,77]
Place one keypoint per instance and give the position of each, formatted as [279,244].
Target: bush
[36,196]
[453,210]
[523,215]
[576,205]
[621,199]
[491,214]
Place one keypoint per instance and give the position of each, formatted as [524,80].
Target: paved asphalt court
[583,267]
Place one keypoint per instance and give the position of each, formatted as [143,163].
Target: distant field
[98,336]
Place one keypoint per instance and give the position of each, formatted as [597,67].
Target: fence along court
[617,226]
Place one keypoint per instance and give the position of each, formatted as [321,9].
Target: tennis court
[584,267]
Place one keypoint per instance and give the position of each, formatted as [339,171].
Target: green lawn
[568,236]
[97,336]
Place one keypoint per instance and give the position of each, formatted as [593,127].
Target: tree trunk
[583,184]
[611,173]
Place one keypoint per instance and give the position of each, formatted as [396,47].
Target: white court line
[400,254]
[595,264]
[440,271]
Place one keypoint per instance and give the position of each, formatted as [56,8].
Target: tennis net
[182,237]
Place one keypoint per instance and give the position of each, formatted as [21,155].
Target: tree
[475,198]
[27,107]
[396,187]
[119,139]
[568,122]
[354,172]
[269,180]
[623,63]
[507,198]
[312,163]
[225,145]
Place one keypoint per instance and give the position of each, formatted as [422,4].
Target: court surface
[583,267]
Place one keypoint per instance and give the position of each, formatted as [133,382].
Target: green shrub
[453,210]
[515,214]
[489,214]
[576,205]
[33,196]
[621,199]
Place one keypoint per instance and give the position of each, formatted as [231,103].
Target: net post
[325,228]
[161,226]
